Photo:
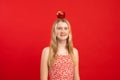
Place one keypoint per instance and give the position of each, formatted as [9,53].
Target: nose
[62,30]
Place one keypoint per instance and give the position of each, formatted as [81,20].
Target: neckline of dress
[62,55]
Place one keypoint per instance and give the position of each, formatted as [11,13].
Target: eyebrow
[64,26]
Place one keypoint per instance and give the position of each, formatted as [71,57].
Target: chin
[63,38]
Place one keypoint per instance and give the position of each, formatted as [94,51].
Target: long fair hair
[54,43]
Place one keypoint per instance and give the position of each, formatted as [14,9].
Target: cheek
[67,32]
[57,32]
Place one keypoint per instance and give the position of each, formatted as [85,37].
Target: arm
[44,64]
[76,75]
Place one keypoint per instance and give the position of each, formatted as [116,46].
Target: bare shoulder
[46,49]
[75,50]
[45,52]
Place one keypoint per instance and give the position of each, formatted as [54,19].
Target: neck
[62,44]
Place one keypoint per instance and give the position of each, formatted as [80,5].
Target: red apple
[60,14]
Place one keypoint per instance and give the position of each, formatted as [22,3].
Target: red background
[25,29]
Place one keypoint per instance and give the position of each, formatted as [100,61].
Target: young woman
[60,61]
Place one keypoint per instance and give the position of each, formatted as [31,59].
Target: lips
[63,35]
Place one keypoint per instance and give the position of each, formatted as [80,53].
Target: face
[62,31]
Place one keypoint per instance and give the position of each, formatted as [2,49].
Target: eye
[59,28]
[66,28]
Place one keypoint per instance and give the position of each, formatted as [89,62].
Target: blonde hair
[54,46]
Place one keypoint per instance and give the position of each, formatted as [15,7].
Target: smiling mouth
[62,35]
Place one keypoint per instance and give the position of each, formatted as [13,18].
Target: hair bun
[60,14]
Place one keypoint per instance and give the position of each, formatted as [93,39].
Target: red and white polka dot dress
[62,68]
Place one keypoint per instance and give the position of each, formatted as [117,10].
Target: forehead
[62,24]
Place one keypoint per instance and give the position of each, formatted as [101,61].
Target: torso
[62,68]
